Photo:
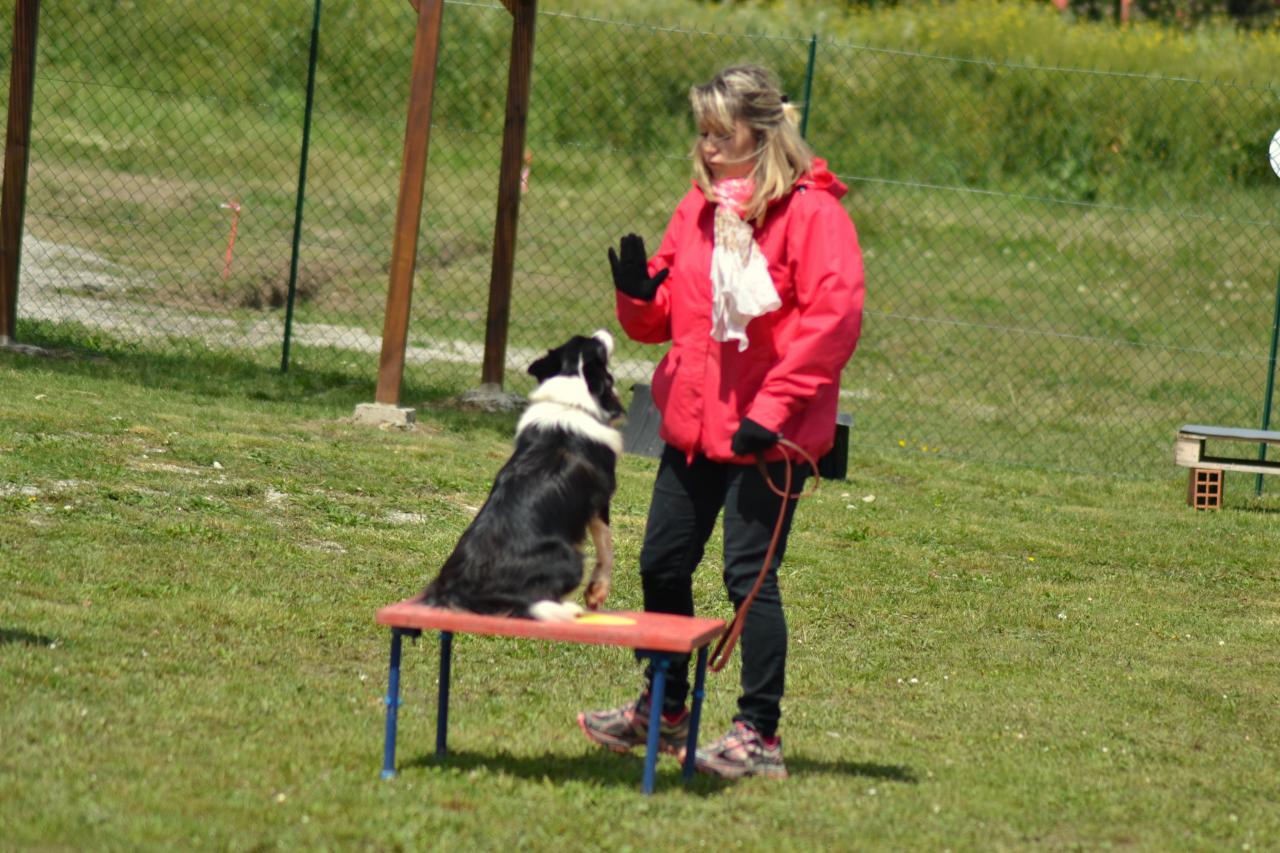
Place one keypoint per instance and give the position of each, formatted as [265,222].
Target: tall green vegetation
[964,117]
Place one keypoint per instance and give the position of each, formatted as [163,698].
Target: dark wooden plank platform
[1189,449]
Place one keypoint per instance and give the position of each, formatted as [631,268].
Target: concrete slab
[491,398]
[384,415]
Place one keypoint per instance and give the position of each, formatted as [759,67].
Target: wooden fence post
[519,77]
[22,75]
[404,249]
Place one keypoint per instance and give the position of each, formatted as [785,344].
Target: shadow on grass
[625,771]
[602,768]
[73,350]
[16,636]
[213,373]
[799,765]
[1257,508]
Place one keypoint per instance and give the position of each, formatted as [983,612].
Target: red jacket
[788,379]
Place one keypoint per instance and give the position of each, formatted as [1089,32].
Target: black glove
[751,438]
[631,272]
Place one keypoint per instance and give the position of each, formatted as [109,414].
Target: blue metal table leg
[661,662]
[393,706]
[695,713]
[442,703]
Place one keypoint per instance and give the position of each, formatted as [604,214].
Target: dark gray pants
[687,499]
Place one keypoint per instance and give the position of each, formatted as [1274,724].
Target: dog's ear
[595,372]
[603,336]
[546,367]
[595,352]
[593,357]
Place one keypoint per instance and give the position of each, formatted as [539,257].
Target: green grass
[982,657]
[980,106]
[1062,266]
[1000,328]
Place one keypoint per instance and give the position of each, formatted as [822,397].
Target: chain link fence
[1062,266]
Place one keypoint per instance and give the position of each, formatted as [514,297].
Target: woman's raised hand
[631,270]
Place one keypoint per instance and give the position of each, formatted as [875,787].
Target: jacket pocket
[663,378]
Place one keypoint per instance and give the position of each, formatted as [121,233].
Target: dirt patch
[271,290]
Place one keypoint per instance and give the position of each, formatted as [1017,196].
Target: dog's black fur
[522,554]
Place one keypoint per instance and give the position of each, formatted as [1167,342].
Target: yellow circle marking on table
[604,619]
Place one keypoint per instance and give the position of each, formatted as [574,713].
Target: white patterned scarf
[740,283]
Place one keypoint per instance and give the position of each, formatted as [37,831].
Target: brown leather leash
[724,649]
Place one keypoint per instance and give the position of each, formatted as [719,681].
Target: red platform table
[656,636]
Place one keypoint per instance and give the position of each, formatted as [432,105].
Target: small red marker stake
[234,206]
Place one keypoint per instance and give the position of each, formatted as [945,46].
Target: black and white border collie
[522,554]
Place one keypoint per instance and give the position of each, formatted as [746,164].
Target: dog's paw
[555,611]
[597,592]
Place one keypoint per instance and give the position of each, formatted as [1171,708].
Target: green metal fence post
[1271,385]
[302,185]
[808,83]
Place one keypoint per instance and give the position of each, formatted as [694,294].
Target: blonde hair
[751,94]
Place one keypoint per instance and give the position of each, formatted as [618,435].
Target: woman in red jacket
[758,287]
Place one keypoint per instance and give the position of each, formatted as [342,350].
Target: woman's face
[729,155]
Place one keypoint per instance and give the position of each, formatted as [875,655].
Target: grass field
[982,657]
[1035,296]
[1063,264]
[992,648]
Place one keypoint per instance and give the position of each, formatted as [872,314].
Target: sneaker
[742,752]
[621,729]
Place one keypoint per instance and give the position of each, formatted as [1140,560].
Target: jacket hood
[820,178]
